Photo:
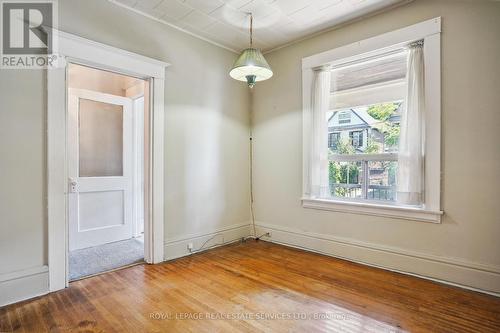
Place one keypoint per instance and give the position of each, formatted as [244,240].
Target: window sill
[364,208]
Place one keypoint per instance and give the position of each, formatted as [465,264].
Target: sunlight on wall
[205,197]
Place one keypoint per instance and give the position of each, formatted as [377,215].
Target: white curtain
[319,150]
[411,140]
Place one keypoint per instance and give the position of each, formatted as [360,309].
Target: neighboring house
[356,127]
[359,129]
[352,125]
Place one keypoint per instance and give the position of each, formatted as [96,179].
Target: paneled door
[100,163]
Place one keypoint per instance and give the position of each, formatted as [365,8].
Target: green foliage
[372,148]
[391,135]
[342,173]
[382,111]
[345,147]
[334,174]
[392,170]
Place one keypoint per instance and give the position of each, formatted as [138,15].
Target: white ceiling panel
[148,3]
[173,10]
[276,22]
[205,6]
[130,3]
[197,20]
[288,7]
[222,33]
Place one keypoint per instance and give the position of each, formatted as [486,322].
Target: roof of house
[361,113]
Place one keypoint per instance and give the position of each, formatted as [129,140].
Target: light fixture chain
[251,29]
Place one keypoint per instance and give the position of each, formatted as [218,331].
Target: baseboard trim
[178,247]
[23,284]
[33,282]
[473,276]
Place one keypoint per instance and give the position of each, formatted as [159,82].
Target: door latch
[73,185]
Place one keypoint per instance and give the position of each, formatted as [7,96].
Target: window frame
[360,138]
[345,120]
[430,32]
[334,138]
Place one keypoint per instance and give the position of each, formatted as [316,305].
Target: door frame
[138,155]
[75,49]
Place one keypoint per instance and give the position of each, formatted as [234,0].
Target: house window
[356,138]
[379,108]
[344,117]
[333,139]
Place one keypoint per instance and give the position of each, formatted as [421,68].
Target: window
[365,168]
[367,139]
[356,138]
[333,139]
[344,117]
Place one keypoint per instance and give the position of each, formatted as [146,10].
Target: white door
[100,166]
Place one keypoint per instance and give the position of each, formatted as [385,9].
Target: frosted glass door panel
[100,139]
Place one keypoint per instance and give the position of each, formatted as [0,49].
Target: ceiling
[276,22]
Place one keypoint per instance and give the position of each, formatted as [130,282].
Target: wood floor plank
[255,287]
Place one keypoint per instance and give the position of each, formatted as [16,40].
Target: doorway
[106,145]
[78,50]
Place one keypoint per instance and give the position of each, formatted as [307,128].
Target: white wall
[206,145]
[23,227]
[463,249]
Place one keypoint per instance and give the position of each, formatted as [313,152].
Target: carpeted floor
[105,257]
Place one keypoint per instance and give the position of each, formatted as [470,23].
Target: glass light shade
[251,66]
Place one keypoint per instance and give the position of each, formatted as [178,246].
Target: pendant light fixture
[251,65]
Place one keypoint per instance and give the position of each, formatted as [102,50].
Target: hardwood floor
[234,288]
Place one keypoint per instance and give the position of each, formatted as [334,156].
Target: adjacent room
[249,166]
[106,138]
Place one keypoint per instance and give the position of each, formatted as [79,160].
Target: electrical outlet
[190,247]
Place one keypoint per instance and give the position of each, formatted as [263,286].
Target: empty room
[249,166]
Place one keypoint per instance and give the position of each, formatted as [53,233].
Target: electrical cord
[205,243]
[214,245]
[252,214]
[258,237]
